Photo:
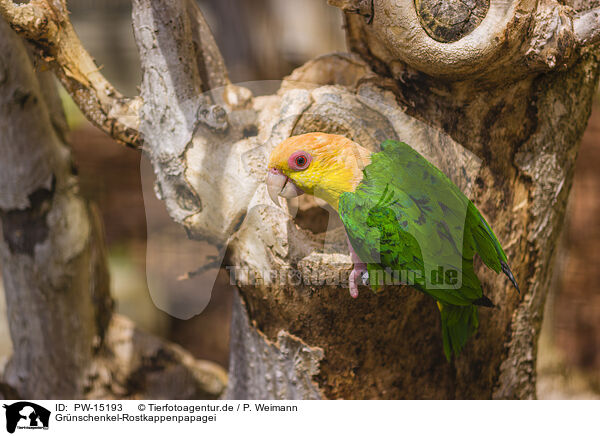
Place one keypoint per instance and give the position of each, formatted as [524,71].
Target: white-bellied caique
[401,214]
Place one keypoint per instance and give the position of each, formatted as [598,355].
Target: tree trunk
[389,345]
[526,132]
[52,251]
[497,102]
[67,342]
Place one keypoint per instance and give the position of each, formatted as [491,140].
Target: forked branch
[46,25]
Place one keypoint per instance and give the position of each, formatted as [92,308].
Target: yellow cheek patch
[307,179]
[327,182]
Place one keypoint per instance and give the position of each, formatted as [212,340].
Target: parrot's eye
[299,160]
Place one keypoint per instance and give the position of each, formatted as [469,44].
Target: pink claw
[358,271]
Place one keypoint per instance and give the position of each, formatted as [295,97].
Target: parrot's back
[409,223]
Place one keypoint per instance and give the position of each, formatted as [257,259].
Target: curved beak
[278,184]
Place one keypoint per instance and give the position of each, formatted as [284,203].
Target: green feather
[408,221]
[458,324]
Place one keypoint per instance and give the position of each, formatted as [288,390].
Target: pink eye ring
[299,160]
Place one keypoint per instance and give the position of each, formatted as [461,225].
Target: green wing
[407,220]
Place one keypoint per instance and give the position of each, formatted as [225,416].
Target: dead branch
[54,266]
[134,364]
[45,24]
[509,40]
[194,136]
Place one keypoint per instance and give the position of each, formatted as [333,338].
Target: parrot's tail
[459,323]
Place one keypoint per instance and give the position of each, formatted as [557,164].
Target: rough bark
[52,256]
[527,133]
[500,110]
[286,368]
[67,342]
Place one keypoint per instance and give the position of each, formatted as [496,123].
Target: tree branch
[45,24]
[193,120]
[53,262]
[211,65]
[510,40]
[55,274]
[135,364]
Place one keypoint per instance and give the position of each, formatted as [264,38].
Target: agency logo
[26,415]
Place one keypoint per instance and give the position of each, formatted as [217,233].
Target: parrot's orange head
[317,163]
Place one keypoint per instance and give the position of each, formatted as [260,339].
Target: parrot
[400,214]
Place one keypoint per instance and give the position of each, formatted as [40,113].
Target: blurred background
[266,40]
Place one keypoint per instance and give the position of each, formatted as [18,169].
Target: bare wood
[46,25]
[263,370]
[513,39]
[190,133]
[136,365]
[54,270]
[586,26]
[54,267]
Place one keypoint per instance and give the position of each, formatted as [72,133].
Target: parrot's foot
[358,272]
[359,269]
